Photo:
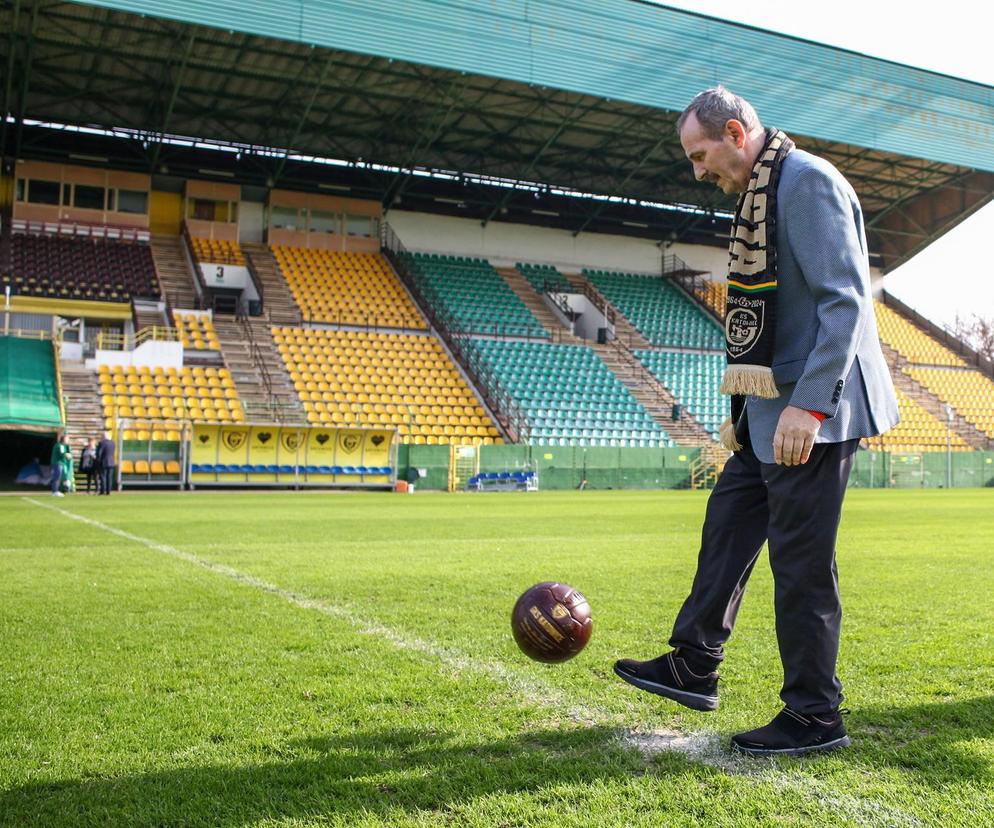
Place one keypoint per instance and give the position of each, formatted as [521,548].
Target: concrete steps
[84,413]
[279,306]
[623,329]
[534,302]
[174,273]
[911,388]
[258,372]
[658,401]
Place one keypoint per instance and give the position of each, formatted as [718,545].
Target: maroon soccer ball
[551,622]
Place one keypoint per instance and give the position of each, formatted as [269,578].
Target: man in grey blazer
[786,481]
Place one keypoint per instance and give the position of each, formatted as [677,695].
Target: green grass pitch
[313,659]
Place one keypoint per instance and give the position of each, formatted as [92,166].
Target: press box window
[88,198]
[286,218]
[21,189]
[358,225]
[132,201]
[322,221]
[43,192]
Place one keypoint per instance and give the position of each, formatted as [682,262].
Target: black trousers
[797,509]
[107,479]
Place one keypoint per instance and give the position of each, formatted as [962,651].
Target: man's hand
[794,437]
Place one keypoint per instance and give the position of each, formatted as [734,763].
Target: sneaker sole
[835,744]
[695,701]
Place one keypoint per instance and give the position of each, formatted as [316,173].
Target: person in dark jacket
[106,463]
[88,464]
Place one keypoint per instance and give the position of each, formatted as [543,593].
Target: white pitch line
[703,747]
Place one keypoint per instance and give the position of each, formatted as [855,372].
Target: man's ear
[736,131]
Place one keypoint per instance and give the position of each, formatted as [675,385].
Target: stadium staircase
[915,391]
[175,279]
[257,370]
[623,329]
[279,306]
[705,468]
[148,315]
[653,395]
[84,414]
[534,302]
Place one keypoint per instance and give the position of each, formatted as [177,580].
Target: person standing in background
[88,464]
[59,450]
[106,463]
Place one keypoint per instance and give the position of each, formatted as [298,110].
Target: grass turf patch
[142,689]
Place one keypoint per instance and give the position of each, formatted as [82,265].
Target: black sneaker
[670,676]
[793,734]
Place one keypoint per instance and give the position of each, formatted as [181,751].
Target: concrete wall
[504,243]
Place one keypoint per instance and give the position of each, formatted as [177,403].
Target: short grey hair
[716,107]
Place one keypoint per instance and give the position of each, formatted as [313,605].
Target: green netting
[505,458]
[434,462]
[29,395]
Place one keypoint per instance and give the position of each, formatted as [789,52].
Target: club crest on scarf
[750,309]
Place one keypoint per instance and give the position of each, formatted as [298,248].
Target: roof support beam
[301,121]
[8,86]
[191,39]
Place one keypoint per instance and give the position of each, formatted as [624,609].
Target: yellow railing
[128,342]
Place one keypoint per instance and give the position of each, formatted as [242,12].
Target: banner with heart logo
[262,446]
[376,451]
[203,449]
[321,447]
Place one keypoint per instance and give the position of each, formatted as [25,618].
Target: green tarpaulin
[29,397]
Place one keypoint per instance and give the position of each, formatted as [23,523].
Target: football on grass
[551,622]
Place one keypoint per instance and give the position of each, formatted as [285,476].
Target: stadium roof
[572,96]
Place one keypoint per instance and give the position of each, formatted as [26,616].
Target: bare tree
[978,333]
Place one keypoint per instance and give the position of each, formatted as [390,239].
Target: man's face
[722,161]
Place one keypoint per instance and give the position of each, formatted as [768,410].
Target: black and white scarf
[750,309]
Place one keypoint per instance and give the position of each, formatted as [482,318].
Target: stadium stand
[693,378]
[969,392]
[346,288]
[102,270]
[406,381]
[474,294]
[568,395]
[545,278]
[918,431]
[660,312]
[195,393]
[29,384]
[913,344]
[712,294]
[217,251]
[196,331]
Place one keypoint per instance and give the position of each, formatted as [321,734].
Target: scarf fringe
[726,436]
[750,381]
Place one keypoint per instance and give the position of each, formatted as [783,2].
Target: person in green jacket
[60,452]
[68,466]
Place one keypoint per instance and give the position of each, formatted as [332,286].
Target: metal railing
[511,418]
[191,256]
[256,280]
[106,341]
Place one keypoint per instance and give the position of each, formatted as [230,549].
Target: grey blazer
[827,354]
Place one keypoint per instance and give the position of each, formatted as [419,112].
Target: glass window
[132,201]
[87,197]
[200,208]
[21,190]
[323,221]
[285,218]
[43,192]
[357,225]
